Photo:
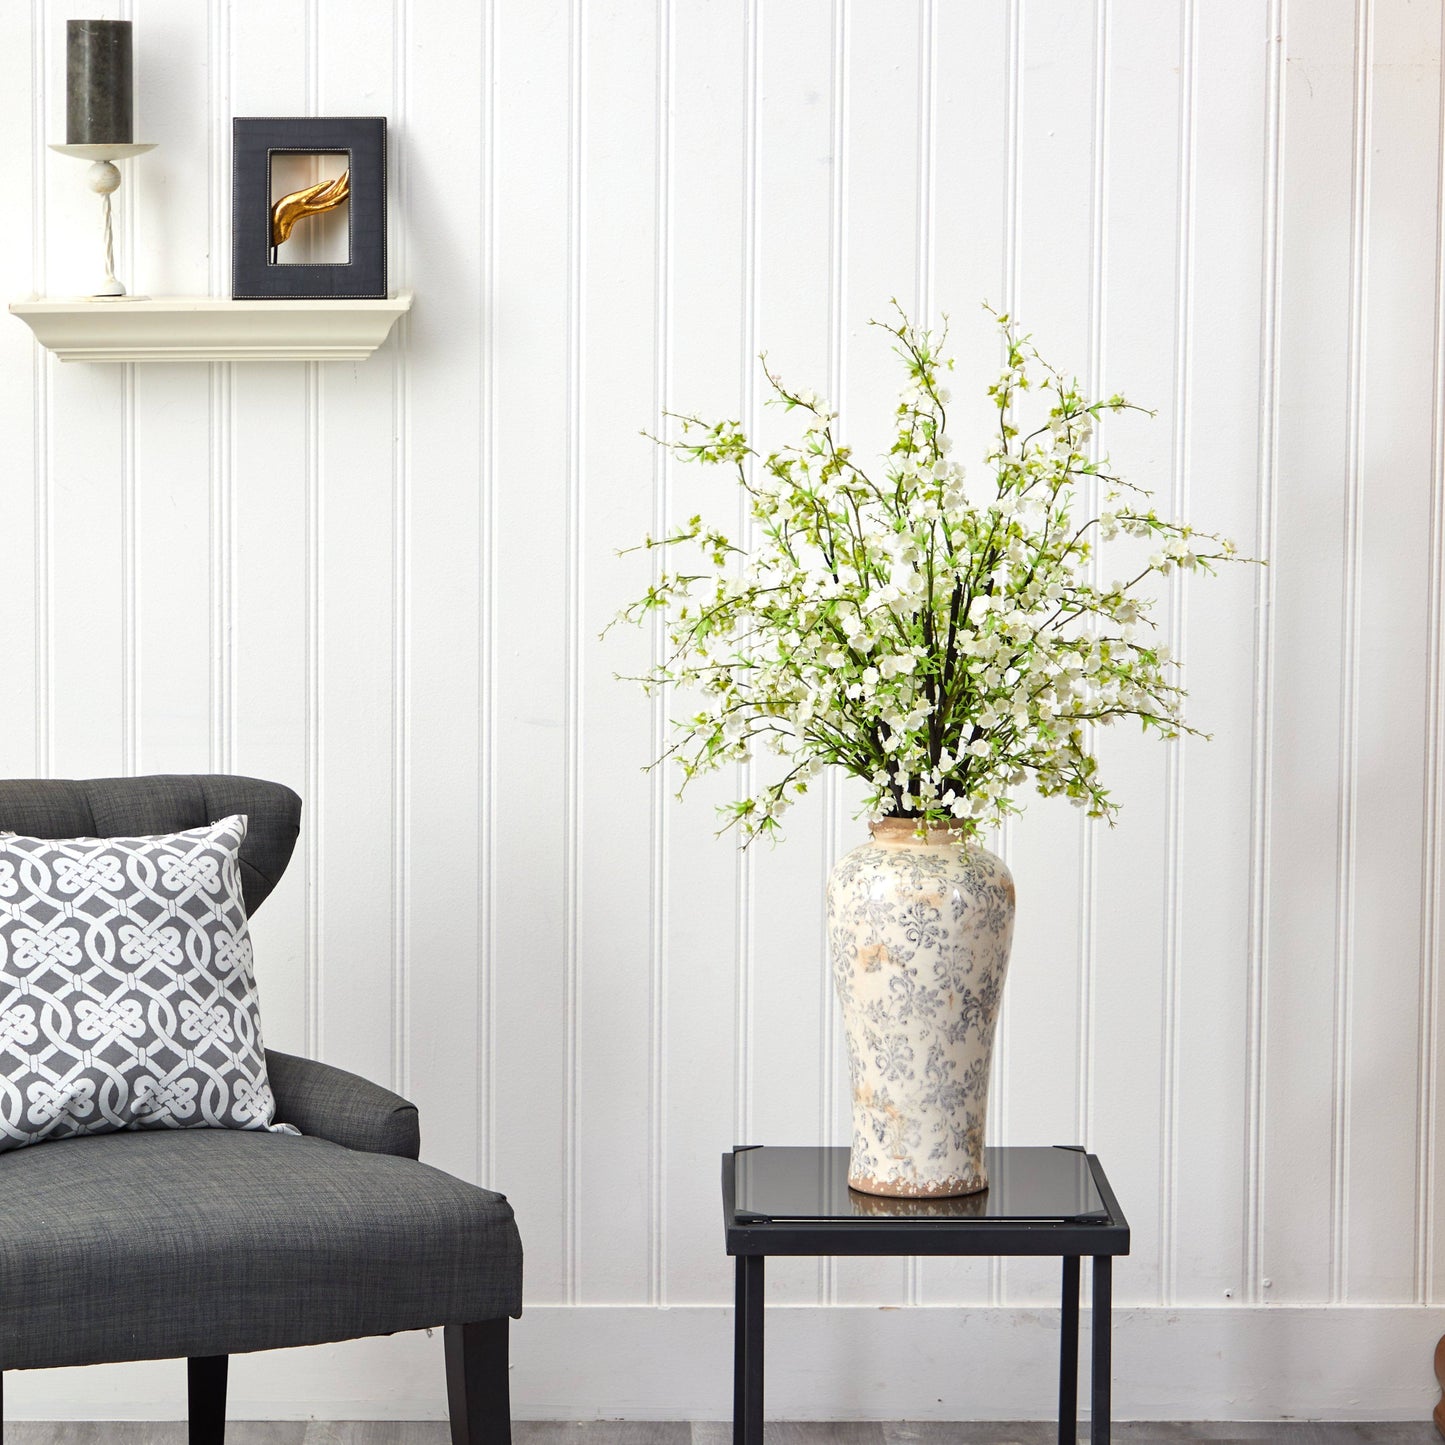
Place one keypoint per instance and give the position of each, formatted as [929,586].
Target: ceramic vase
[919,929]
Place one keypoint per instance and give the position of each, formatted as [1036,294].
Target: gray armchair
[204,1243]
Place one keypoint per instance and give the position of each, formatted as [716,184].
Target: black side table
[1039,1201]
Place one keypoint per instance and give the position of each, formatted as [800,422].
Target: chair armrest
[330,1103]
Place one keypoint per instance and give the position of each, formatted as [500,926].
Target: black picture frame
[255,276]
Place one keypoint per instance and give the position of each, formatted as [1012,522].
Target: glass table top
[812,1183]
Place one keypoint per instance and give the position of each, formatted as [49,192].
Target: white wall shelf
[201,328]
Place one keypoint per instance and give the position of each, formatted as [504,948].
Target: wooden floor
[623,1432]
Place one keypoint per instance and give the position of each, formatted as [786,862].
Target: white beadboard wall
[383,583]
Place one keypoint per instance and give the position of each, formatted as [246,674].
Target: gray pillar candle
[98,82]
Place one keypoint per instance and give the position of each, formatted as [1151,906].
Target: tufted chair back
[163,803]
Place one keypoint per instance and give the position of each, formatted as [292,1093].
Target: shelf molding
[203,328]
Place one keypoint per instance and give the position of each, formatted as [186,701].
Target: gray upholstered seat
[210,1242]
[159,1244]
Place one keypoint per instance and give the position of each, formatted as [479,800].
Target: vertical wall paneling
[486,957]
[311,835]
[571,641]
[266,56]
[1262,740]
[923,278]
[971,145]
[1178,620]
[167,616]
[531,199]
[1393,457]
[40,374]
[706,136]
[383,583]
[617,1086]
[1136,251]
[1223,363]
[84,573]
[24,470]
[1426,1154]
[487,614]
[86,483]
[659,973]
[167,560]
[1089,858]
[401,579]
[359,611]
[835,1120]
[1053,228]
[441,146]
[881,228]
[744,1067]
[792,324]
[220,468]
[1347,843]
[222,569]
[129,682]
[1301,1127]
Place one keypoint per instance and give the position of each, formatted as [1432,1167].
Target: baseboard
[840,1363]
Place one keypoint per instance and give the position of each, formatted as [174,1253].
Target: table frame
[751,1239]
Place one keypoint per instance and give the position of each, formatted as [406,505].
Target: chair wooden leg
[477,1393]
[206,1399]
[1440,1375]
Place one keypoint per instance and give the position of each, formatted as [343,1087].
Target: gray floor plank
[91,1432]
[602,1432]
[716,1432]
[840,1432]
[944,1432]
[355,1432]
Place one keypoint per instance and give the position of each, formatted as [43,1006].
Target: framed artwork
[308,207]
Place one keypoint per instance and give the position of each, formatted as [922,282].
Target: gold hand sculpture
[313,201]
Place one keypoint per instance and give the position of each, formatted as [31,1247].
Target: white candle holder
[104,178]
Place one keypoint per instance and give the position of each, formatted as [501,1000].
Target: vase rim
[905,830]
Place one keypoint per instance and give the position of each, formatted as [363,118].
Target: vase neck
[905,831]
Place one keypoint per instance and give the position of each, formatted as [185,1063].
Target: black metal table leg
[1102,1375]
[748,1377]
[1069,1354]
[740,1346]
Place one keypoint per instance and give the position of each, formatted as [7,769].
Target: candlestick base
[104,178]
[104,150]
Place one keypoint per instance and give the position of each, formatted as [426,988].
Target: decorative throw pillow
[127,999]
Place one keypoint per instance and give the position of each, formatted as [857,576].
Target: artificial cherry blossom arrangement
[942,639]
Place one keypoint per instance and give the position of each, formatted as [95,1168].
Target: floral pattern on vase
[919,929]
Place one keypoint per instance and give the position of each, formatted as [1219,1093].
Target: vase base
[951,1188]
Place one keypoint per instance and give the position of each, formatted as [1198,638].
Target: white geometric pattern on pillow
[127,998]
